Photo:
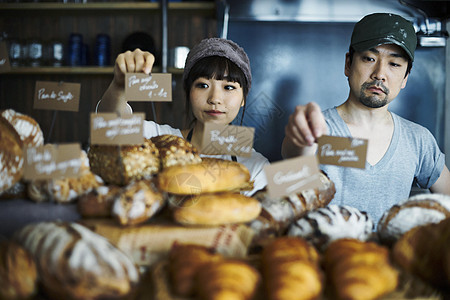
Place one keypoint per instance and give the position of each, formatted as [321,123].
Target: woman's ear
[243,102]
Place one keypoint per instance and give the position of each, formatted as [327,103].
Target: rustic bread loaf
[415,211]
[184,260]
[121,165]
[11,156]
[65,190]
[216,209]
[137,202]
[98,202]
[18,274]
[324,225]
[278,213]
[75,263]
[212,175]
[359,270]
[174,150]
[425,252]
[290,268]
[26,127]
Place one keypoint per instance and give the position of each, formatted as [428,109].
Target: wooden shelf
[90,70]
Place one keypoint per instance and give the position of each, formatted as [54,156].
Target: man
[399,151]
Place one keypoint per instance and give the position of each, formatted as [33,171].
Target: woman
[216,79]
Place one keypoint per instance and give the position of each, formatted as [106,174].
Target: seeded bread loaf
[174,150]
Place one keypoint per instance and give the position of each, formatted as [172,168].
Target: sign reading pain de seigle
[53,95]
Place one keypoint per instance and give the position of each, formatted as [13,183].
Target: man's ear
[404,81]
[347,64]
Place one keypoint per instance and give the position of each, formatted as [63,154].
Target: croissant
[227,280]
[184,262]
[424,251]
[359,270]
[291,269]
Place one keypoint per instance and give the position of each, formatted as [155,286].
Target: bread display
[227,279]
[18,274]
[216,209]
[27,128]
[278,213]
[75,263]
[325,225]
[424,252]
[358,270]
[415,211]
[11,156]
[290,268]
[64,190]
[98,202]
[174,150]
[212,175]
[184,260]
[137,202]
[120,165]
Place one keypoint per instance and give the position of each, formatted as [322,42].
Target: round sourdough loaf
[415,211]
[11,156]
[325,225]
[28,129]
[212,175]
[73,262]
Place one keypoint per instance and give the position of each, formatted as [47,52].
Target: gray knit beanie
[219,47]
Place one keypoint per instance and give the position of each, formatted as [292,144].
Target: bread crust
[209,176]
[11,156]
[216,209]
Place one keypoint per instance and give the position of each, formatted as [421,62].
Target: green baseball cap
[384,28]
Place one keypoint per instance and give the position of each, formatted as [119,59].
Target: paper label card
[53,95]
[154,87]
[292,176]
[52,161]
[226,139]
[342,151]
[111,129]
[4,58]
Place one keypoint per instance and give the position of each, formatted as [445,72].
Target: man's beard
[373,101]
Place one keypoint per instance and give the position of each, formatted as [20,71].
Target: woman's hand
[132,62]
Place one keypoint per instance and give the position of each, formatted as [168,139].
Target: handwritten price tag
[342,151]
[154,87]
[292,176]
[52,161]
[226,139]
[51,95]
[110,129]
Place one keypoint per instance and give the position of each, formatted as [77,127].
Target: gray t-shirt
[412,155]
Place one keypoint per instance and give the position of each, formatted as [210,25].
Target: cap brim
[366,45]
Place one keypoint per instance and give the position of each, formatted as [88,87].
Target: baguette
[210,176]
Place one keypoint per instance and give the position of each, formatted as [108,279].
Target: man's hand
[305,125]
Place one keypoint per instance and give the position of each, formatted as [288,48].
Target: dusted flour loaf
[278,213]
[75,263]
[359,270]
[227,279]
[418,210]
[174,150]
[98,202]
[120,165]
[65,190]
[28,129]
[11,156]
[17,191]
[18,274]
[216,209]
[212,175]
[290,267]
[137,202]
[425,252]
[324,225]
[184,260]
